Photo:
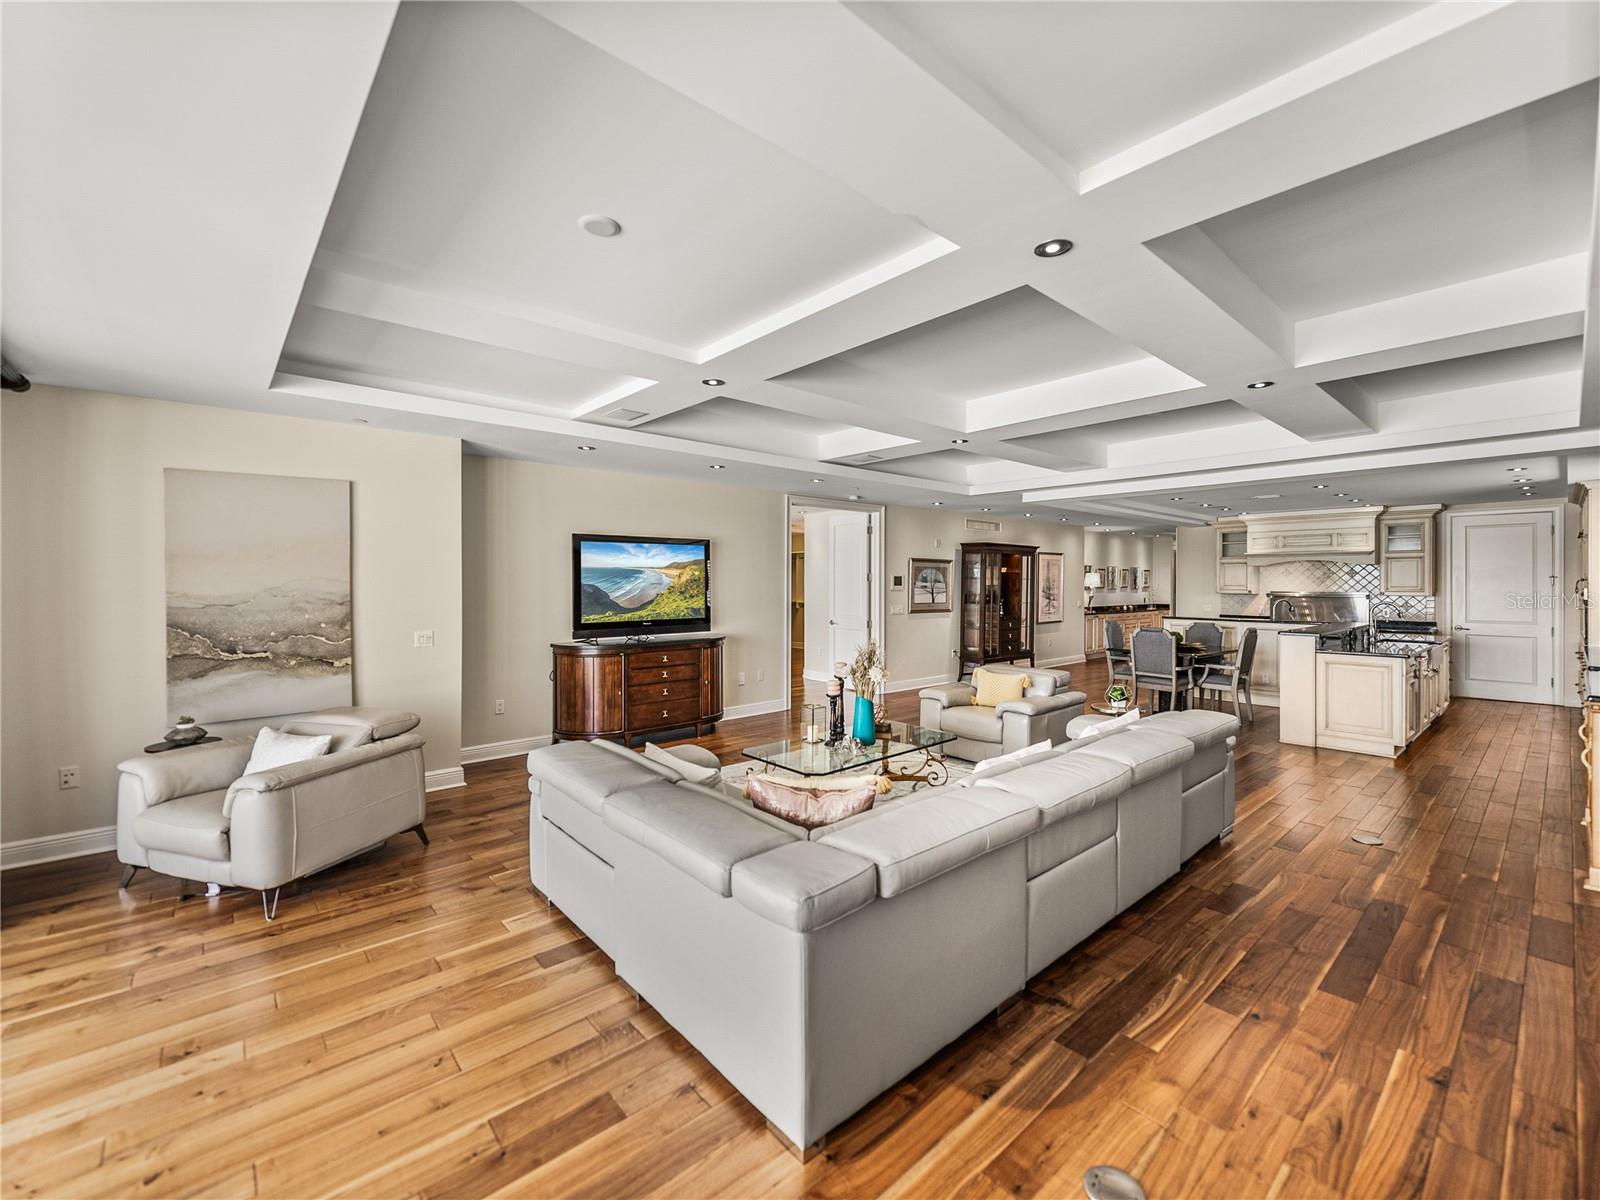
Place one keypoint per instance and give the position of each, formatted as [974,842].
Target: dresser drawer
[652,673]
[665,657]
[653,691]
[649,714]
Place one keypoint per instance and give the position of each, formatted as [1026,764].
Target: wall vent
[980,525]
[862,458]
[626,415]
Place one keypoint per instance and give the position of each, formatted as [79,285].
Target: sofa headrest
[380,722]
[804,886]
[1147,752]
[1042,681]
[701,835]
[588,772]
[1063,784]
[921,841]
[1203,727]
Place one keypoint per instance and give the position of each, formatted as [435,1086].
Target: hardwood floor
[1293,1015]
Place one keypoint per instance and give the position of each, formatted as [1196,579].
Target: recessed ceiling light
[599,226]
[853,496]
[1227,510]
[586,447]
[958,441]
[1174,497]
[1259,384]
[1340,495]
[1319,487]
[1097,524]
[1203,504]
[1054,248]
[714,382]
[984,510]
[938,503]
[716,467]
[1516,468]
[1063,518]
[1027,514]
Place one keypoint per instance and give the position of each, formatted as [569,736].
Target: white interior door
[849,583]
[1502,582]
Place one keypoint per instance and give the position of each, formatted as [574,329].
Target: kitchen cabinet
[1366,703]
[1233,567]
[1094,626]
[1406,540]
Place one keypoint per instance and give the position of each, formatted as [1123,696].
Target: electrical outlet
[741,678]
[499,708]
[937,542]
[422,638]
[897,610]
[66,777]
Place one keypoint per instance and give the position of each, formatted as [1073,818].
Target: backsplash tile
[1315,575]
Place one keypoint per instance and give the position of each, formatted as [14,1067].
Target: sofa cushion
[924,840]
[971,721]
[192,825]
[377,723]
[683,768]
[588,773]
[340,737]
[1064,784]
[703,836]
[1147,752]
[804,886]
[1202,727]
[1000,764]
[1065,839]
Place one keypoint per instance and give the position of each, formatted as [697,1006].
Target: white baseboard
[445,777]
[759,709]
[815,676]
[912,685]
[515,748]
[1066,661]
[57,846]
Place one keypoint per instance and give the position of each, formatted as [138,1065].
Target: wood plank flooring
[1294,1015]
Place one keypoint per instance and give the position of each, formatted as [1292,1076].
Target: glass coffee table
[898,741]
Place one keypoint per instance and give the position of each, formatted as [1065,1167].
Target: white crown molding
[55,846]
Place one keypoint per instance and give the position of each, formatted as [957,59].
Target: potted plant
[1117,697]
[866,675]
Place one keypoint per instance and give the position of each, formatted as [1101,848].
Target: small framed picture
[930,585]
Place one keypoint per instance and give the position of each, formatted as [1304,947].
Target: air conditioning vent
[979,525]
[858,459]
[626,416]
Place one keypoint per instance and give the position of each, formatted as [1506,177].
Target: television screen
[627,586]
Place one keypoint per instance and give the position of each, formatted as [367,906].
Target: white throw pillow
[274,749]
[681,767]
[1001,763]
[1102,728]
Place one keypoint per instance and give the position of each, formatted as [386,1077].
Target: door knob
[1463,628]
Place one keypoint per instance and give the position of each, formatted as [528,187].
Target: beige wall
[518,521]
[83,606]
[1194,591]
[922,646]
[1138,550]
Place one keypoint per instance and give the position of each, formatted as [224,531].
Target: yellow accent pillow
[996,687]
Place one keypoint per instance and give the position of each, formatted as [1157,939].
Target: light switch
[897,610]
[422,637]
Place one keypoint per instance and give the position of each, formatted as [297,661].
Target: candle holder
[811,731]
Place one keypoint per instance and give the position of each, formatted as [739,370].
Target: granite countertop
[1405,649]
[1300,625]
[1322,628]
[1125,608]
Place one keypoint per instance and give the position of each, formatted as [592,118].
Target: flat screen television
[625,586]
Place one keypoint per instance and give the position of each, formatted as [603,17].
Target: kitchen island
[1373,701]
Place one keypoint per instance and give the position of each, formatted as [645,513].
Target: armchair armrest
[294,774]
[1037,706]
[950,695]
[187,772]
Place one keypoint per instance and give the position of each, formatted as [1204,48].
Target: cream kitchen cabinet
[1233,566]
[1406,540]
[1323,534]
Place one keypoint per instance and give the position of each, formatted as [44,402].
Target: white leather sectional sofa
[816,969]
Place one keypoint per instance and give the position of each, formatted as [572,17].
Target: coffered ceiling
[825,280]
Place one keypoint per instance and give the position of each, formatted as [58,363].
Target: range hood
[1332,534]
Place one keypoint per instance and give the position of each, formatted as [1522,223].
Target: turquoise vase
[865,729]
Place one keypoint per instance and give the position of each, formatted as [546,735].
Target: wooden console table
[622,691]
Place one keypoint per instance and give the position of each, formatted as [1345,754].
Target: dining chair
[1155,665]
[1232,680]
[1204,633]
[1118,660]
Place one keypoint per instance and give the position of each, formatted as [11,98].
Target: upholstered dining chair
[1118,660]
[1233,681]
[1155,665]
[1204,633]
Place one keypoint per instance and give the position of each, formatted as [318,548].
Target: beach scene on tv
[640,581]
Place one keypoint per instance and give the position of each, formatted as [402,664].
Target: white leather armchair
[190,813]
[1042,713]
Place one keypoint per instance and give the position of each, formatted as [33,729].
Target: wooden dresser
[623,691]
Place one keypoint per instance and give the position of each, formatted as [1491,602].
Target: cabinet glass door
[1403,538]
[1234,543]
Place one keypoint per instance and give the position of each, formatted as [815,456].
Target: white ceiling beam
[1105,387]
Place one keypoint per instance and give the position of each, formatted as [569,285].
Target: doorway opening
[834,600]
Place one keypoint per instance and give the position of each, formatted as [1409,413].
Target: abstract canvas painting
[258,595]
